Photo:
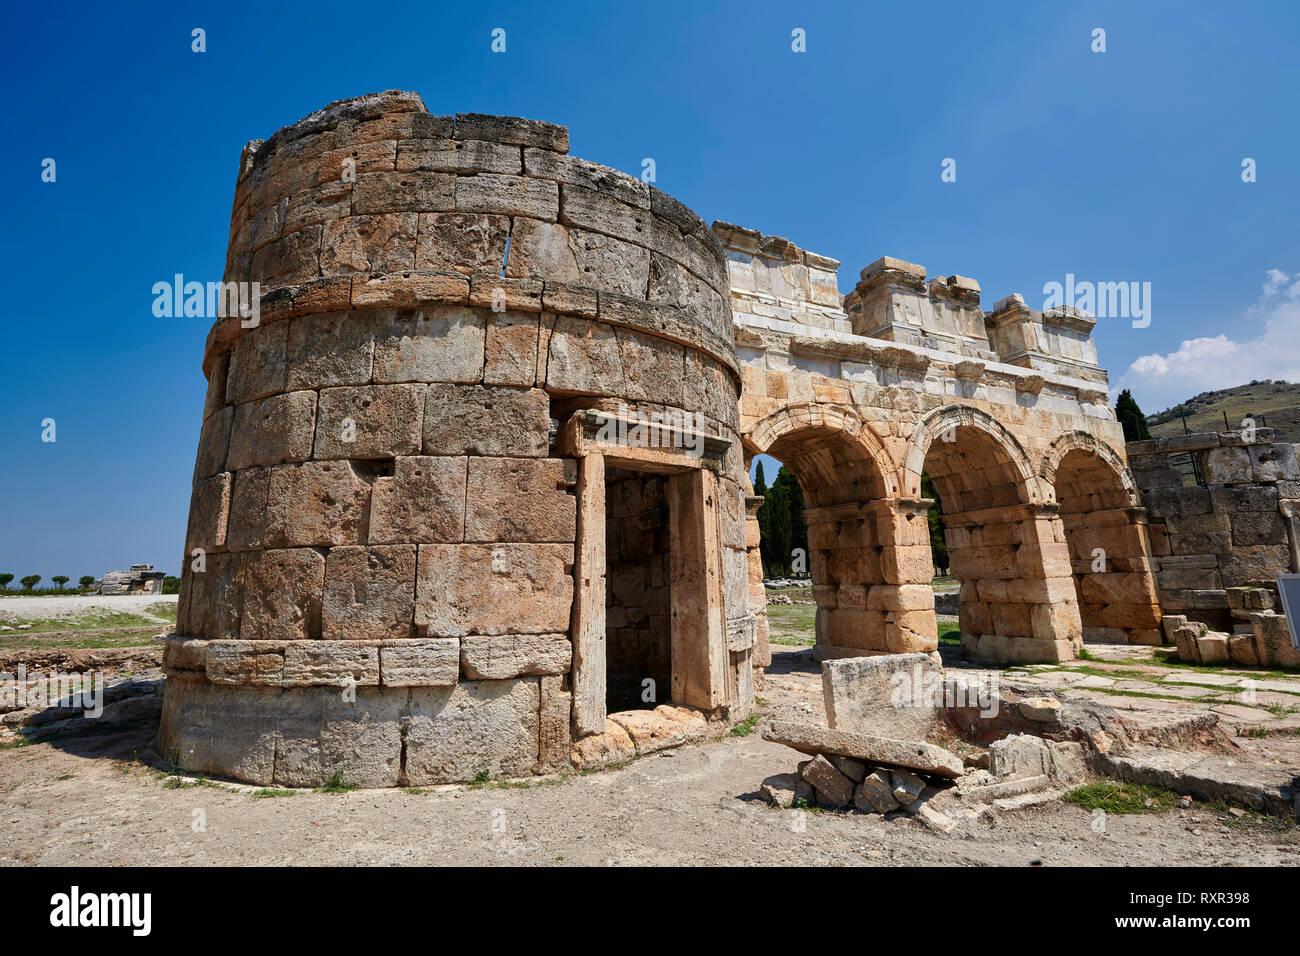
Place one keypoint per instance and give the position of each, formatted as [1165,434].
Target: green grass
[950,633]
[15,744]
[745,727]
[93,620]
[174,782]
[792,625]
[1122,798]
[269,793]
[335,784]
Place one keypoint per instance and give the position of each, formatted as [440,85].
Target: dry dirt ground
[99,800]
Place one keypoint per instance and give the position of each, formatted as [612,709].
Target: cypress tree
[1131,417]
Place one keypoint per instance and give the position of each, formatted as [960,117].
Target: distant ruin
[141,579]
[471,495]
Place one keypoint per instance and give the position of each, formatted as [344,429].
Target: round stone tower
[469,494]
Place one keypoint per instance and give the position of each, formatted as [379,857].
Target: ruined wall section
[378,498]
[1235,529]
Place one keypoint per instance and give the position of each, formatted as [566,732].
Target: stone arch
[857,438]
[1106,534]
[934,425]
[1080,441]
[1004,540]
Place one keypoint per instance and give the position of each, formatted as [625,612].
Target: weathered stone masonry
[399,490]
[1006,411]
[423,556]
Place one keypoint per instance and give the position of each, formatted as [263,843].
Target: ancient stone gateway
[1006,411]
[471,496]
[453,504]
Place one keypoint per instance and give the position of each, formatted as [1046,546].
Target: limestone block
[565,299]
[599,212]
[1273,640]
[876,793]
[827,781]
[408,290]
[316,503]
[1276,462]
[512,129]
[581,357]
[405,191]
[1226,465]
[511,349]
[910,564]
[207,729]
[369,421]
[369,593]
[1212,648]
[458,156]
[608,263]
[282,594]
[209,514]
[384,243]
[665,726]
[331,663]
[889,695]
[294,258]
[454,733]
[320,733]
[601,750]
[244,662]
[479,420]
[462,242]
[869,748]
[212,600]
[214,439]
[274,430]
[248,498]
[545,164]
[903,597]
[510,655]
[494,589]
[907,787]
[507,196]
[521,499]
[431,662]
[555,735]
[1241,650]
[543,250]
[1254,564]
[439,346]
[1258,527]
[1234,500]
[333,348]
[258,363]
[423,501]
[1019,755]
[653,370]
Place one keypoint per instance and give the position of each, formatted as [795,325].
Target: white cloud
[1198,365]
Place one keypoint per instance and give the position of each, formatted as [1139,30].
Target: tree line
[171,585]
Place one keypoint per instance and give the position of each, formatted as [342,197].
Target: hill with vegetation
[1272,404]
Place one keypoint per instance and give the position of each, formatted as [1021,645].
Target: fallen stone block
[1045,709]
[855,770]
[779,789]
[601,750]
[876,793]
[907,787]
[894,695]
[1019,755]
[827,781]
[912,755]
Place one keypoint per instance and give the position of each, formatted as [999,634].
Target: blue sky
[1123,165]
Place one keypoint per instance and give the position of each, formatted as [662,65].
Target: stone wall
[395,493]
[1006,411]
[1234,529]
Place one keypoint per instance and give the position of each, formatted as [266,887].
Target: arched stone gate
[1006,411]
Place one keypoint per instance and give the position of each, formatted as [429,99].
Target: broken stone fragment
[907,787]
[827,781]
[1043,709]
[876,793]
